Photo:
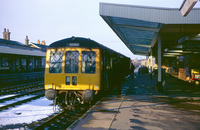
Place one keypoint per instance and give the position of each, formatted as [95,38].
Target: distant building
[6,34]
[41,46]
[143,62]
[18,57]
[20,62]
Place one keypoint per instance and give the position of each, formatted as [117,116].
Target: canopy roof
[138,26]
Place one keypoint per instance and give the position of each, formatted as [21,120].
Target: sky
[53,20]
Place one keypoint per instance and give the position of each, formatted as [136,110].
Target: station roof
[17,48]
[139,26]
[9,42]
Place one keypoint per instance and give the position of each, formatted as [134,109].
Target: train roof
[80,42]
[75,42]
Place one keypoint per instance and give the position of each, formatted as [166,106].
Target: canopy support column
[151,61]
[159,85]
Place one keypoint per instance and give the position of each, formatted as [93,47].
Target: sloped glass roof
[138,48]
[136,36]
[133,22]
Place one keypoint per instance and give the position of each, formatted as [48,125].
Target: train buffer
[140,106]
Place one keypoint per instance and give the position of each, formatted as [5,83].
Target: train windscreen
[88,62]
[55,65]
[71,61]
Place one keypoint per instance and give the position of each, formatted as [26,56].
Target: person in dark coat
[132,70]
[188,73]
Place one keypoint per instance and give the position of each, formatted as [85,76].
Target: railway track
[20,102]
[25,87]
[20,95]
[36,90]
[61,120]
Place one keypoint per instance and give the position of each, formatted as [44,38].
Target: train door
[106,70]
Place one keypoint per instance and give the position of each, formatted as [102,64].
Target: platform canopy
[139,26]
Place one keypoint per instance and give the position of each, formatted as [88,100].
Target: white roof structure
[21,51]
[139,26]
[17,48]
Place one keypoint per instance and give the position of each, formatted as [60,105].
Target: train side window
[55,62]
[88,62]
[71,61]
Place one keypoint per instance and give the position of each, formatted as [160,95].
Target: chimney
[26,40]
[4,34]
[8,34]
[38,41]
[43,42]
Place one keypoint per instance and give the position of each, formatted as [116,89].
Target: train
[78,69]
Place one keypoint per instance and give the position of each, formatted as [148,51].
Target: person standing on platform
[188,73]
[132,70]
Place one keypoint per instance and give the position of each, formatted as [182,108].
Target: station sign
[191,46]
[187,6]
[73,44]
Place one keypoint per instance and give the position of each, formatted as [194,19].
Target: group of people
[142,70]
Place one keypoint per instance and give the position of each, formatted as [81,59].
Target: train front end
[72,72]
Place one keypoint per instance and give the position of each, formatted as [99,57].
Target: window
[24,64]
[88,62]
[30,64]
[55,62]
[71,61]
[43,62]
[4,62]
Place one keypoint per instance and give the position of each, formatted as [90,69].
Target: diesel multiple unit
[78,68]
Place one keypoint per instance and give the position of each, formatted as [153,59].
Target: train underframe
[71,99]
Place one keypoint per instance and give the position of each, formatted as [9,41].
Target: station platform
[141,107]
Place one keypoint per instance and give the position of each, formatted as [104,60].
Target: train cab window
[55,62]
[71,61]
[88,63]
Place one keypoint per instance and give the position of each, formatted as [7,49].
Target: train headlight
[67,80]
[74,80]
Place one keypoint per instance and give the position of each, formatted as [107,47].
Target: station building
[20,62]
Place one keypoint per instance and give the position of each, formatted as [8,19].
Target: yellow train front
[79,68]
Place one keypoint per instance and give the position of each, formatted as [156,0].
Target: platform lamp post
[187,6]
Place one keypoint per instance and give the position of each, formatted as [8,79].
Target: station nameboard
[187,6]
[191,45]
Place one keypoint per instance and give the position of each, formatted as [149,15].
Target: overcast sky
[53,20]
